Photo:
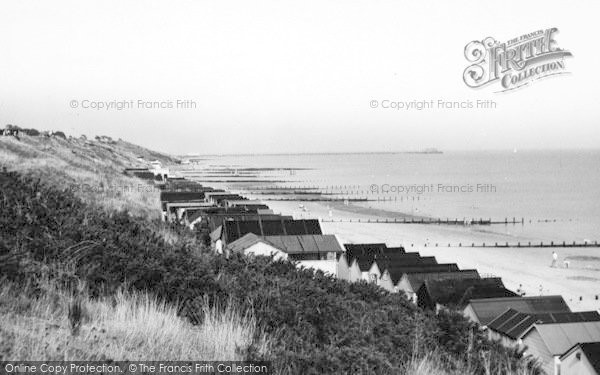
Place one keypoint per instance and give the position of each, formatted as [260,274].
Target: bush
[59,134]
[31,132]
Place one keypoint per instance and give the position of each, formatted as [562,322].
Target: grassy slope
[92,169]
[131,326]
[38,325]
[137,327]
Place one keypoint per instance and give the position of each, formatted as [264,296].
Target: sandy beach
[530,267]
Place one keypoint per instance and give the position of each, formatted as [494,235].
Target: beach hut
[410,283]
[364,258]
[370,273]
[483,311]
[251,244]
[375,259]
[256,204]
[219,197]
[180,196]
[308,247]
[319,252]
[456,293]
[343,267]
[510,327]
[549,342]
[581,359]
[386,256]
[355,273]
[175,210]
[385,281]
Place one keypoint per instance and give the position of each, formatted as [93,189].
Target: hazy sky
[282,76]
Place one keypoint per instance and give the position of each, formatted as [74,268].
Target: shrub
[31,132]
[59,134]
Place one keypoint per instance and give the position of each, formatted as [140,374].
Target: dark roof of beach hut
[234,228]
[394,259]
[416,279]
[364,254]
[402,260]
[215,216]
[365,248]
[394,250]
[514,324]
[216,220]
[592,352]
[458,292]
[397,271]
[487,309]
[185,185]
[220,198]
[178,196]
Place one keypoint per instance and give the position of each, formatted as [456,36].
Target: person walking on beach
[554,259]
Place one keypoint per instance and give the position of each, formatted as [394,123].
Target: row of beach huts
[564,342]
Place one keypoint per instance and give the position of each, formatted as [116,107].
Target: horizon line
[438,152]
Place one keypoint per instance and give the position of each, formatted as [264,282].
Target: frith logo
[515,63]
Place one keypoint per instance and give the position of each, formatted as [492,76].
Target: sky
[282,76]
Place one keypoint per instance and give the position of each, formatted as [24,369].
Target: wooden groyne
[318,199]
[541,244]
[439,221]
[414,220]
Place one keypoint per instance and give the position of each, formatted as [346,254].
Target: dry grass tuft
[430,364]
[125,327]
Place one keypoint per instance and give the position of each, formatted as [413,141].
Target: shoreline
[529,267]
[526,266]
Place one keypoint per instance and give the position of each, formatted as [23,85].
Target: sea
[549,195]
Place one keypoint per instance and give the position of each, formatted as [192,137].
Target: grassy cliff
[91,168]
[93,274]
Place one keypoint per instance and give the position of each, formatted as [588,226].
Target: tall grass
[430,364]
[127,326]
[94,173]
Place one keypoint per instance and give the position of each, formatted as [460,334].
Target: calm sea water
[556,192]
